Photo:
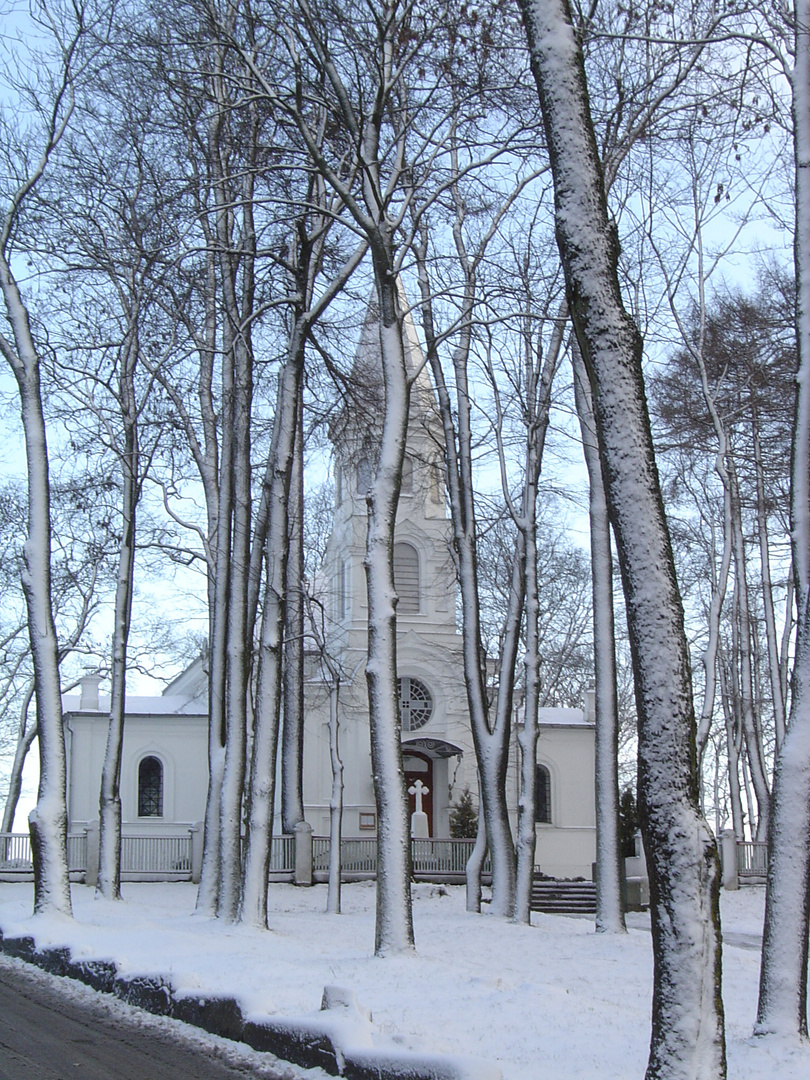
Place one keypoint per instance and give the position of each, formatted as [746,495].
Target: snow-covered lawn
[551,1000]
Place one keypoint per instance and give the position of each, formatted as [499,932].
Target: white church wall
[179,742]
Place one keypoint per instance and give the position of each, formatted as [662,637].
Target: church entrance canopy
[433,748]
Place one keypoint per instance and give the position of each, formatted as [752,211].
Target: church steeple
[356,429]
[424,574]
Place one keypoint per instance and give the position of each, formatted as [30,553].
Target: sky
[553,999]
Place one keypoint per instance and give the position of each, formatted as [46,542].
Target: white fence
[145,857]
[16,857]
[441,859]
[151,858]
[752,859]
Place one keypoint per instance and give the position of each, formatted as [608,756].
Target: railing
[752,858]
[16,857]
[77,852]
[282,855]
[15,853]
[358,855]
[320,853]
[149,855]
[443,856]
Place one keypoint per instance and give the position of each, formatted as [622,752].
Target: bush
[464,817]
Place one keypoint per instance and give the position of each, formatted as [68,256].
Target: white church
[165,770]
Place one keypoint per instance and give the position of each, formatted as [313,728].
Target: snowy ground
[553,999]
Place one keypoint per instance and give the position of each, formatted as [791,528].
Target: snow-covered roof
[160,705]
[562,718]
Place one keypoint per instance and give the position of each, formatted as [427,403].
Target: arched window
[150,788]
[406,578]
[415,704]
[542,804]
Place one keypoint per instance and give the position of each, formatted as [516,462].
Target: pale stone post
[197,833]
[303,853]
[91,870]
[728,853]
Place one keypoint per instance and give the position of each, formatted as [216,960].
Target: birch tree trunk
[687,1020]
[609,875]
[782,1005]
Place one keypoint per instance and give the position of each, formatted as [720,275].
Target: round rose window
[415,704]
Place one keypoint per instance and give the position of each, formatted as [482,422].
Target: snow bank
[554,999]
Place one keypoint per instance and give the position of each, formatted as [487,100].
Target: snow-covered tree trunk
[237,280]
[490,732]
[609,875]
[262,784]
[272,539]
[750,721]
[109,858]
[687,1021]
[394,920]
[292,735]
[48,822]
[720,584]
[538,378]
[335,798]
[774,669]
[475,863]
[733,747]
[528,732]
[783,977]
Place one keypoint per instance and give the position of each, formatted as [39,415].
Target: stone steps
[564,897]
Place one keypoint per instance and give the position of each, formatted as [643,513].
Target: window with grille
[542,797]
[415,704]
[150,788]
[406,578]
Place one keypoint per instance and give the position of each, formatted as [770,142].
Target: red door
[419,767]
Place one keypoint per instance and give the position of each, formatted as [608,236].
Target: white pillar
[728,858]
[303,853]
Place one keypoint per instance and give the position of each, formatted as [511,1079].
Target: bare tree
[609,875]
[53,104]
[687,1023]
[782,1007]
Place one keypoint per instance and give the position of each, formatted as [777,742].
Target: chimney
[89,698]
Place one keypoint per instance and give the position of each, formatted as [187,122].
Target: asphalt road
[54,1029]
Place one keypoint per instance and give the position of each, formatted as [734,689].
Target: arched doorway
[419,767]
